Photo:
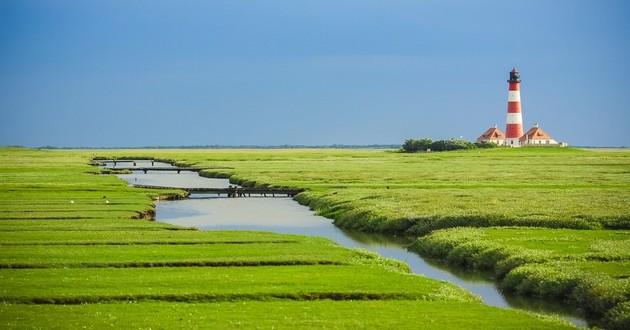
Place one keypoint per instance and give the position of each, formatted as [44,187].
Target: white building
[534,137]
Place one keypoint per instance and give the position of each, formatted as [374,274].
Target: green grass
[569,188]
[86,225]
[90,264]
[588,268]
[138,232]
[37,184]
[178,252]
[299,282]
[325,314]
[418,194]
[554,244]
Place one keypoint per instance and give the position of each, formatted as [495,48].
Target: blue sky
[168,73]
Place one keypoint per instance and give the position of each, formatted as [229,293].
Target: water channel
[283,215]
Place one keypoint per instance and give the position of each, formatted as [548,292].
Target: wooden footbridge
[177,169]
[235,191]
[146,169]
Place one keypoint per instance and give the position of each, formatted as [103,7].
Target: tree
[452,144]
[485,145]
[413,145]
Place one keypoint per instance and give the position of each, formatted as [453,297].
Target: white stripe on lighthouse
[514,96]
[514,118]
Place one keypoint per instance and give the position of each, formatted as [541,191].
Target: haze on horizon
[138,73]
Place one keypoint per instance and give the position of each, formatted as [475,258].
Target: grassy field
[419,194]
[68,259]
[319,314]
[548,187]
[587,268]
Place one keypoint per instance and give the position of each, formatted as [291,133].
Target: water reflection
[185,179]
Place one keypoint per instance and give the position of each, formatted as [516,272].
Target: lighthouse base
[512,142]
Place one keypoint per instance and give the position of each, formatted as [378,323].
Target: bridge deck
[177,169]
[235,191]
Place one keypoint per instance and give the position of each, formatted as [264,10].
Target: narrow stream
[283,215]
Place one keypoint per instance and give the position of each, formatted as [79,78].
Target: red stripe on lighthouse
[514,127]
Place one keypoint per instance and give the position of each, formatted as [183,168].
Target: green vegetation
[427,145]
[419,193]
[48,185]
[69,259]
[587,268]
[318,314]
[542,187]
[58,252]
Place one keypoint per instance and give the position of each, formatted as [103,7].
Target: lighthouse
[514,127]
[514,136]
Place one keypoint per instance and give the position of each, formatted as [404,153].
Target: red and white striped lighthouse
[514,127]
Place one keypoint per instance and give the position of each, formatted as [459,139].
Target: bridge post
[145,171]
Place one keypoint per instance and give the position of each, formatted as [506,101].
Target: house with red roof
[537,137]
[534,137]
[493,134]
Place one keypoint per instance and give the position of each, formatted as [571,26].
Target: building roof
[535,133]
[492,133]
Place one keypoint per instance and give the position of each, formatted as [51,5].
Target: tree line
[427,145]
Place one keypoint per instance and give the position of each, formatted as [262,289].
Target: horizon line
[283,146]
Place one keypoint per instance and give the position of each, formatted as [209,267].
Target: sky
[132,73]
